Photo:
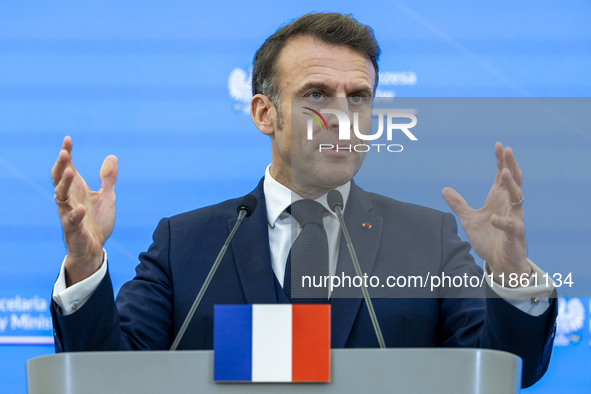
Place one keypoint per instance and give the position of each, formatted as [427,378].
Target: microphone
[335,202]
[246,208]
[248,203]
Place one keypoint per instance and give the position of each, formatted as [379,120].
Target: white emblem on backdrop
[240,89]
[240,86]
[571,317]
[394,78]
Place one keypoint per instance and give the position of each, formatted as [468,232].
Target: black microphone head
[248,203]
[334,199]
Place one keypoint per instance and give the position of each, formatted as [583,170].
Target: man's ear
[263,114]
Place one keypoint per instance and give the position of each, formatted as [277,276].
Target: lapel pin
[366,225]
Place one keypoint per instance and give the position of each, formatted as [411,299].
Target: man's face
[314,72]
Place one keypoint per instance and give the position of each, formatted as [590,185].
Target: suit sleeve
[140,318]
[478,317]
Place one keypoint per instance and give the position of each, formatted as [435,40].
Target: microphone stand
[242,214]
[337,207]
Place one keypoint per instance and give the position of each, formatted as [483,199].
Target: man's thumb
[456,202]
[108,174]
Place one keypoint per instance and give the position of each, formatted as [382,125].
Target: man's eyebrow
[311,86]
[322,86]
[365,90]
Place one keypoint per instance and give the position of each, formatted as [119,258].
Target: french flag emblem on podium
[271,343]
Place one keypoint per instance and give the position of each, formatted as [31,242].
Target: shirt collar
[279,197]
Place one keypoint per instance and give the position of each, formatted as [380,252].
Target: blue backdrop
[155,83]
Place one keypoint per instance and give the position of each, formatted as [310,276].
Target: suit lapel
[366,242]
[250,247]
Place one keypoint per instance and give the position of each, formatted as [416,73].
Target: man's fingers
[62,190]
[515,192]
[61,163]
[62,193]
[511,164]
[456,202]
[76,215]
[500,160]
[67,144]
[506,159]
[64,158]
[499,154]
[510,225]
[108,174]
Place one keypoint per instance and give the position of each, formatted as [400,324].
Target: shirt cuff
[70,299]
[532,299]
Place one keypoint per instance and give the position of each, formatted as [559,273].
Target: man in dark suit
[317,57]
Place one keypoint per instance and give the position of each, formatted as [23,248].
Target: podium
[407,371]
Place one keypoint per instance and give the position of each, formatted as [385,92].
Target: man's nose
[339,104]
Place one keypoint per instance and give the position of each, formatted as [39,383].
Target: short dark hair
[329,27]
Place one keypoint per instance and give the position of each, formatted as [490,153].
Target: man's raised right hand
[87,217]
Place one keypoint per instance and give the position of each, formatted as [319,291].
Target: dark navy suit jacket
[404,239]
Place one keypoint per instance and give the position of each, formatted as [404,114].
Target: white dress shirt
[282,233]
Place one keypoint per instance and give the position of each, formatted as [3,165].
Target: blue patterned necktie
[308,256]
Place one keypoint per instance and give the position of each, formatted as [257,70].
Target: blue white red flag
[272,343]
